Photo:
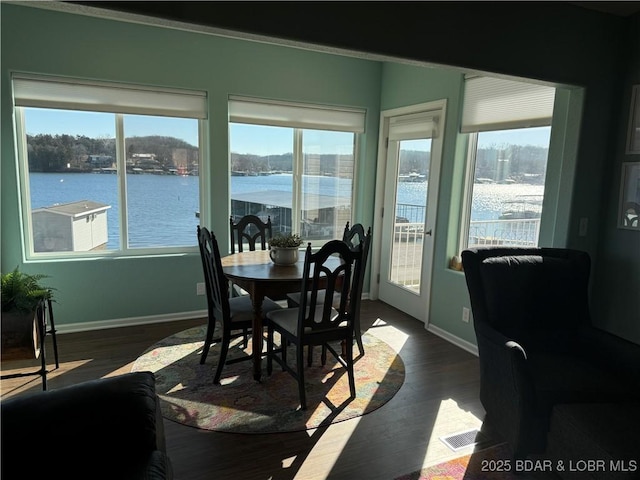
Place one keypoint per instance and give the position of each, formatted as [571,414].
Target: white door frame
[381,180]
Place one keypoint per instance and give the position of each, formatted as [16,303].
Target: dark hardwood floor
[439,397]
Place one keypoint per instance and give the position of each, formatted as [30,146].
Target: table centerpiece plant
[283,248]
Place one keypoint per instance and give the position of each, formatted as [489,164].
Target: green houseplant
[283,248]
[21,294]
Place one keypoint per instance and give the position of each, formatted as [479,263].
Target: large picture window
[107,168]
[295,164]
[509,126]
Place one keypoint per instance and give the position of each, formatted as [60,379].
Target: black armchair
[100,429]
[536,345]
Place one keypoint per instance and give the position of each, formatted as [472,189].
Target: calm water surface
[162,207]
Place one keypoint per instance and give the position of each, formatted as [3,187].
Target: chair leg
[207,341]
[300,373]
[269,349]
[359,339]
[223,358]
[283,354]
[310,355]
[349,361]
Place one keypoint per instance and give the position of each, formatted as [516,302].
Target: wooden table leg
[256,337]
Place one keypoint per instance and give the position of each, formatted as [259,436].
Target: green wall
[546,41]
[122,290]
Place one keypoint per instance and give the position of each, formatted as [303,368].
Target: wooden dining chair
[316,321]
[235,314]
[250,229]
[353,236]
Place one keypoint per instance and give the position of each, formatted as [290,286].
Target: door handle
[428,232]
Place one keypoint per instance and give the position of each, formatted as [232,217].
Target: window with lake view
[509,127]
[103,178]
[301,177]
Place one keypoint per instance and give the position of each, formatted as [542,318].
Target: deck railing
[518,233]
[408,240]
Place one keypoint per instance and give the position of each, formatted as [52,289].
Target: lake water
[162,208]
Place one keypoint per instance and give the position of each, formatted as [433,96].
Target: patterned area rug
[489,463]
[242,405]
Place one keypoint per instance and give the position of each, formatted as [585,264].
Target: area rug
[242,405]
[490,463]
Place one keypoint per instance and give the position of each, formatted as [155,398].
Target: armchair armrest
[507,390]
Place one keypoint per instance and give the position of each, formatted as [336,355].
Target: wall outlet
[200,288]
[465,314]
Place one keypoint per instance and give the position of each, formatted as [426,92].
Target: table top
[257,266]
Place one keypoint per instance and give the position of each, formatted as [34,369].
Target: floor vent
[460,440]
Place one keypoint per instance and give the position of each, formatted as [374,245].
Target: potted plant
[283,248]
[21,295]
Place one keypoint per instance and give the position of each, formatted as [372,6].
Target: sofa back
[527,290]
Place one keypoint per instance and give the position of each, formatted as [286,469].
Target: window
[295,164]
[107,168]
[509,126]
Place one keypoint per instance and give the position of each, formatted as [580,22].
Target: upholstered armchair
[536,344]
[109,428]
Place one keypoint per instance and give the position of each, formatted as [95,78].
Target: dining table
[260,277]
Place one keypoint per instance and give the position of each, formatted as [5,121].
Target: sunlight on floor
[389,334]
[449,419]
[325,448]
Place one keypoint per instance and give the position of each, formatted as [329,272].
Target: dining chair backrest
[358,275]
[215,281]
[322,272]
[353,235]
[250,229]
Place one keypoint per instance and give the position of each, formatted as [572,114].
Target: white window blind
[295,115]
[413,126]
[497,104]
[72,94]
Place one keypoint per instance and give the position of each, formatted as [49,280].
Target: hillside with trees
[57,153]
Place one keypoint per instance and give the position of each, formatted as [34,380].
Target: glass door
[412,174]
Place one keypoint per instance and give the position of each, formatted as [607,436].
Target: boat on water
[522,207]
[412,177]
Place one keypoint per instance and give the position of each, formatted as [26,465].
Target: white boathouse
[70,227]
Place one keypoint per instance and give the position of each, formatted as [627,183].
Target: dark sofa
[536,344]
[110,428]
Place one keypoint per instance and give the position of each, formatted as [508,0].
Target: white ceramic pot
[284,255]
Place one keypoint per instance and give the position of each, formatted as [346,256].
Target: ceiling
[621,9]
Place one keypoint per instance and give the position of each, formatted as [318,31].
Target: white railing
[407,254]
[519,233]
[406,265]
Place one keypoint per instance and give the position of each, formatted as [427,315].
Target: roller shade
[295,115]
[497,104]
[71,94]
[413,126]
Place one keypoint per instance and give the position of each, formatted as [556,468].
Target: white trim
[457,341]
[130,322]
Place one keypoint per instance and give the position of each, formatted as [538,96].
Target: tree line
[56,153]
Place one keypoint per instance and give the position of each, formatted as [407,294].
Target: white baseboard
[457,341]
[128,322]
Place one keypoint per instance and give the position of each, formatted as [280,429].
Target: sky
[244,138]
